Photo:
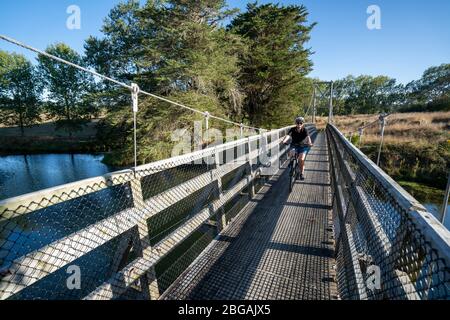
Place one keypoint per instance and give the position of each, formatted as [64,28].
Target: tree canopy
[19,90]
[276,63]
[177,49]
[67,87]
[366,94]
[251,67]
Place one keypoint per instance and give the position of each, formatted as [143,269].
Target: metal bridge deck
[279,247]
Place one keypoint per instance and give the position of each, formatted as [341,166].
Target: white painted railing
[24,271]
[380,226]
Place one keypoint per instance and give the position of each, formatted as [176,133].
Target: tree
[19,90]
[274,69]
[205,57]
[177,49]
[66,87]
[117,54]
[432,91]
[367,95]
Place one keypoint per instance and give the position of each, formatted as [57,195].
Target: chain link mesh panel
[130,234]
[388,246]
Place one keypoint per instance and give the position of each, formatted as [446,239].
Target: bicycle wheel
[291,175]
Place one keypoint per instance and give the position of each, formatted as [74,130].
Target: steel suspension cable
[122,84]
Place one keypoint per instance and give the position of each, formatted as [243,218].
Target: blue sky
[414,34]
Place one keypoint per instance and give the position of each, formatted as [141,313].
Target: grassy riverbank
[48,137]
[25,146]
[425,164]
[423,193]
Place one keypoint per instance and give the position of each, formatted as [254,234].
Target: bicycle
[293,171]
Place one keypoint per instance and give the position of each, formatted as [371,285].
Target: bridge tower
[322,91]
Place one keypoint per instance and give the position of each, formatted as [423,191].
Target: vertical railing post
[383,125]
[330,115]
[314,105]
[206,142]
[206,128]
[360,132]
[220,214]
[149,282]
[251,187]
[446,197]
[263,150]
[134,97]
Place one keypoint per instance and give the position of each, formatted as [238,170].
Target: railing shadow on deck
[271,207]
[230,252]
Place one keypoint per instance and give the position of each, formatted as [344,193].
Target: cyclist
[300,142]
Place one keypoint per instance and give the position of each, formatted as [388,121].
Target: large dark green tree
[174,48]
[118,53]
[275,66]
[19,91]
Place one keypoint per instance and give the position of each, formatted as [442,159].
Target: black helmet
[299,120]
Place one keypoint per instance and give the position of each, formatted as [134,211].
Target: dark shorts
[301,149]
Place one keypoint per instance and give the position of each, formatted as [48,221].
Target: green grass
[50,129]
[26,145]
[414,162]
[423,193]
[47,138]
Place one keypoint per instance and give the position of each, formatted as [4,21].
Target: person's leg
[291,153]
[301,162]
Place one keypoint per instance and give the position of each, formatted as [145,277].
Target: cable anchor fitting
[134,96]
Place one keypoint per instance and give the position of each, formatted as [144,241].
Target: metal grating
[279,247]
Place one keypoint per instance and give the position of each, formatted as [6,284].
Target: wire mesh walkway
[279,247]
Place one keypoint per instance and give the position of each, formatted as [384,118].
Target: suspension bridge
[220,223]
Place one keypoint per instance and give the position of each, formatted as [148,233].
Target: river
[430,197]
[24,174]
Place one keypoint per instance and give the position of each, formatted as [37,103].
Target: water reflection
[432,201]
[24,234]
[23,174]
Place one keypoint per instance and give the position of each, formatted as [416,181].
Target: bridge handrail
[35,265]
[377,223]
[21,204]
[430,225]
